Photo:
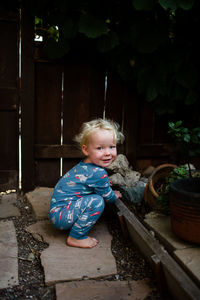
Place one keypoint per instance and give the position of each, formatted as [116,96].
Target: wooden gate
[67,95]
[9,98]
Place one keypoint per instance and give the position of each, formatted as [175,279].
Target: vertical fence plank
[9,95]
[8,150]
[97,92]
[83,101]
[47,119]
[27,103]
[115,102]
[115,99]
[131,124]
[76,99]
[146,123]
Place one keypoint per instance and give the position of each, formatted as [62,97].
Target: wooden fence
[53,99]
[70,93]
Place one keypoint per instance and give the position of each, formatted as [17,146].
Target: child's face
[101,149]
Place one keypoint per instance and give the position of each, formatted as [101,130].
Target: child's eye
[99,148]
[112,147]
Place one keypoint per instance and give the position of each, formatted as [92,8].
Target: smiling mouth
[107,160]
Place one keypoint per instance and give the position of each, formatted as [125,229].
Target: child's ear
[84,150]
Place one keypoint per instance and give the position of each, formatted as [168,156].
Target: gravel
[130,264]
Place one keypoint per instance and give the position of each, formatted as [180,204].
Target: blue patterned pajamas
[78,199]
[79,215]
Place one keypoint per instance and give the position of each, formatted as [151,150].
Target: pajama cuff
[77,236]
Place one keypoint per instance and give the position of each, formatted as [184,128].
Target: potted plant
[184,194]
[178,172]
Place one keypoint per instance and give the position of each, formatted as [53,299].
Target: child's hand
[118,194]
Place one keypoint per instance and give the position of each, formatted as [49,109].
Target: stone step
[8,255]
[62,263]
[103,290]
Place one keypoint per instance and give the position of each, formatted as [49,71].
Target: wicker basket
[150,194]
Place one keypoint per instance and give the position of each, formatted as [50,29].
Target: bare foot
[89,242]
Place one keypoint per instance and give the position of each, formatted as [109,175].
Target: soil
[130,264]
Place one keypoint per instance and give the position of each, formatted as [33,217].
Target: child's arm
[102,187]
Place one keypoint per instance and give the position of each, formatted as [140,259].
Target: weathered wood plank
[76,100]
[9,95]
[83,97]
[8,180]
[57,151]
[8,54]
[131,124]
[154,150]
[48,103]
[8,14]
[146,123]
[114,108]
[47,172]
[83,101]
[9,140]
[48,119]
[27,104]
[9,99]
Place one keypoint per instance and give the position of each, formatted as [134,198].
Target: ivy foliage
[187,140]
[151,42]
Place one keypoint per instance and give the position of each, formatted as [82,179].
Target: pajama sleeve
[102,188]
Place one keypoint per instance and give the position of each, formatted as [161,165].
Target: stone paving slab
[10,198]
[40,198]
[103,290]
[62,263]
[161,225]
[190,260]
[8,255]
[7,206]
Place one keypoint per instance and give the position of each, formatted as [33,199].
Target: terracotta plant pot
[185,209]
[150,192]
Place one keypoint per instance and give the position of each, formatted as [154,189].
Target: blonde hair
[90,127]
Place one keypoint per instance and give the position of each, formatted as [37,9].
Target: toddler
[78,198]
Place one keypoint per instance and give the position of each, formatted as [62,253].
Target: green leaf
[91,26]
[186,4]
[38,21]
[107,42]
[186,138]
[168,4]
[174,4]
[54,33]
[143,4]
[196,131]
[178,123]
[171,124]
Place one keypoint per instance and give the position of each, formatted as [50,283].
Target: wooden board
[9,95]
[47,119]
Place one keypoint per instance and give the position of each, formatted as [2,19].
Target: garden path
[72,270]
